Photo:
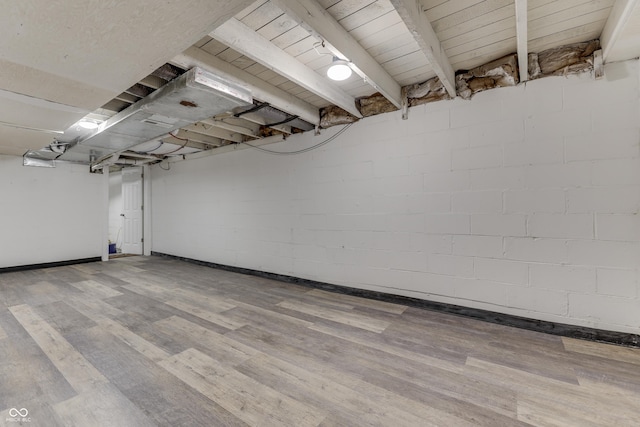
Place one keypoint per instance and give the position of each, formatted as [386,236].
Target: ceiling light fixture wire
[186,141]
[304,150]
[316,45]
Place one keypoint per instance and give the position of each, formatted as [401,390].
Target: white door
[132,211]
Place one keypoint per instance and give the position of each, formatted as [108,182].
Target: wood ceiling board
[278,80]
[568,36]
[367,14]
[249,9]
[483,11]
[202,41]
[314,99]
[395,32]
[415,75]
[153,82]
[386,22]
[127,97]
[83,40]
[400,41]
[243,62]
[479,33]
[261,16]
[214,47]
[567,6]
[301,46]
[628,44]
[229,55]
[536,31]
[345,8]
[483,55]
[437,10]
[566,15]
[419,75]
[389,54]
[409,61]
[506,13]
[318,63]
[256,69]
[296,36]
[327,3]
[116,105]
[278,27]
[428,4]
[532,4]
[480,42]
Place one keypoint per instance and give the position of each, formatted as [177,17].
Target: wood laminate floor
[150,341]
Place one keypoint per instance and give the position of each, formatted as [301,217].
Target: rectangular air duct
[191,97]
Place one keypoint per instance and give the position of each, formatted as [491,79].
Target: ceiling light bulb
[339,69]
[87,124]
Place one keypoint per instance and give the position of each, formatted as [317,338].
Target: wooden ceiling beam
[213,131]
[522,37]
[240,126]
[416,21]
[244,40]
[617,21]
[311,16]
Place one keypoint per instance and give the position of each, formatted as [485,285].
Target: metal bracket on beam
[598,64]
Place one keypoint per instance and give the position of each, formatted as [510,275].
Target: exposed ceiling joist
[153,82]
[242,126]
[522,37]
[195,57]
[127,97]
[416,21]
[243,39]
[618,18]
[311,16]
[189,137]
[259,120]
[216,132]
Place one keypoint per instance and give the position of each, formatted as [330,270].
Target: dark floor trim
[561,329]
[49,264]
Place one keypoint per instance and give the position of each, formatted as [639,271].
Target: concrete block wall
[49,214]
[523,200]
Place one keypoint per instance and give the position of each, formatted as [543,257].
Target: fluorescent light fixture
[339,69]
[87,124]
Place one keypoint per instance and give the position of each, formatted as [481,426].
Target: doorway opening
[126,205]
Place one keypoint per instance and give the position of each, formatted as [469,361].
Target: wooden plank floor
[146,341]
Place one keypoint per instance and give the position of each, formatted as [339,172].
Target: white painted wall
[523,200]
[48,214]
[115,208]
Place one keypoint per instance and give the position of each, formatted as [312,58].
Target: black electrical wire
[304,150]
[150,151]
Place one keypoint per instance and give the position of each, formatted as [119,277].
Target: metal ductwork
[189,98]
